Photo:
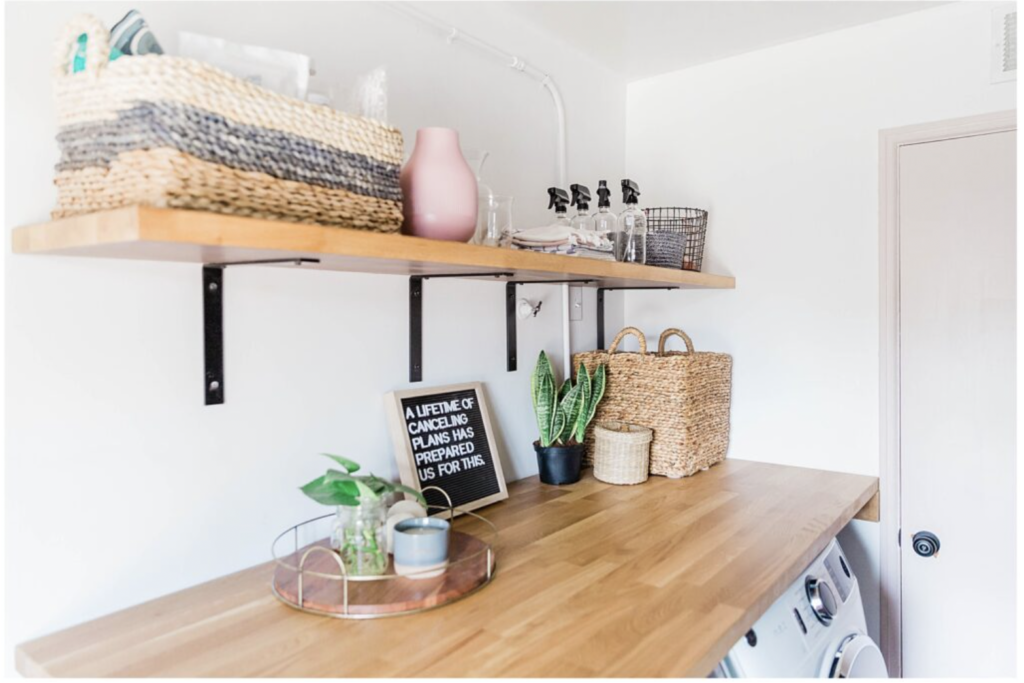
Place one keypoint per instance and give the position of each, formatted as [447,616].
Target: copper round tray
[312,578]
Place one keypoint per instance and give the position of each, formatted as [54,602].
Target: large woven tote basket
[172,132]
[682,395]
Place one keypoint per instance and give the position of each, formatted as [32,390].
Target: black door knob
[926,544]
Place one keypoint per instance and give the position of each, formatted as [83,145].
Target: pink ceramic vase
[439,195]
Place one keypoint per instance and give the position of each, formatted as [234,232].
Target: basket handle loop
[622,335]
[672,331]
[97,45]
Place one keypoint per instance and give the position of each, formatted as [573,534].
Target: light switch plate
[575,304]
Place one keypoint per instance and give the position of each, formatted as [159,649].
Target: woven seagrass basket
[682,396]
[172,132]
[622,453]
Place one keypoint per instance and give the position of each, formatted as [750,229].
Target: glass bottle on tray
[359,536]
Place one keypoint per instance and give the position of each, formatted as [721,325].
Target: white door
[957,226]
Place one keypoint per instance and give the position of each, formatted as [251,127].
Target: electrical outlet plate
[575,304]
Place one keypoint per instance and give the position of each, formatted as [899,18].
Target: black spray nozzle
[558,199]
[603,194]
[630,191]
[580,196]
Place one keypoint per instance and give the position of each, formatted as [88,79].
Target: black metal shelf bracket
[213,317]
[416,316]
[600,308]
[511,334]
[213,322]
[213,333]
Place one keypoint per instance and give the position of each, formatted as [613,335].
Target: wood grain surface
[871,512]
[200,237]
[659,579]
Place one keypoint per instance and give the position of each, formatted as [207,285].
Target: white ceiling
[641,39]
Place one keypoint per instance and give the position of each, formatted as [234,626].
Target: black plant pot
[559,464]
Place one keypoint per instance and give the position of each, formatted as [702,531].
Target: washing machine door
[858,657]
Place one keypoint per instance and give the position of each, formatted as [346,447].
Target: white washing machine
[815,630]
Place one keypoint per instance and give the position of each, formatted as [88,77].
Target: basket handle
[97,45]
[622,335]
[672,331]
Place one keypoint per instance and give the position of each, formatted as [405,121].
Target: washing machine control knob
[822,599]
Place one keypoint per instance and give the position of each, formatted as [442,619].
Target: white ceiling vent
[1004,43]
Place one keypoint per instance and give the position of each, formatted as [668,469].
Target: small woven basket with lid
[622,452]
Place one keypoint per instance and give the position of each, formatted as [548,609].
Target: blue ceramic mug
[421,547]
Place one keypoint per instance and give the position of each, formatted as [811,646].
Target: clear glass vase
[359,537]
[498,228]
[476,158]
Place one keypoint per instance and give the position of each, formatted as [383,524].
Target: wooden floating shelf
[145,233]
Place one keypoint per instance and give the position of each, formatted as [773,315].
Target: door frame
[890,142]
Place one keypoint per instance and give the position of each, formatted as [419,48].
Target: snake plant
[563,414]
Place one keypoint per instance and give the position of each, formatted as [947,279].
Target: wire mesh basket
[663,224]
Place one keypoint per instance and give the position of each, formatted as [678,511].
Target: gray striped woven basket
[171,132]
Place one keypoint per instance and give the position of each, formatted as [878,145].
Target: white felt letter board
[443,438]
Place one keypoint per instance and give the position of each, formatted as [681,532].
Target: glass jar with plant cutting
[358,534]
[563,416]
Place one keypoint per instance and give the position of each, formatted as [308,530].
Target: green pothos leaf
[343,482]
[329,492]
[349,465]
[346,480]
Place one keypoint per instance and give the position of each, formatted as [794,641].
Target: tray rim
[382,615]
[488,547]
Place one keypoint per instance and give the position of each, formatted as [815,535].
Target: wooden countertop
[659,579]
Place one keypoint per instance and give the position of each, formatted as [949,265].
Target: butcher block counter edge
[643,603]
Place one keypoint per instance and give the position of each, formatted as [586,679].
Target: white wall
[120,479]
[780,145]
[120,485]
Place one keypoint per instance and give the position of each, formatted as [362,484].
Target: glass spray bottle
[581,200]
[604,219]
[558,199]
[631,228]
